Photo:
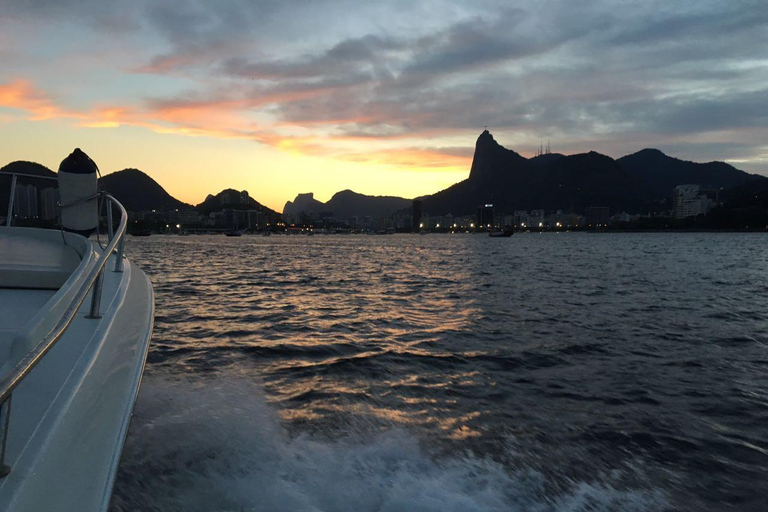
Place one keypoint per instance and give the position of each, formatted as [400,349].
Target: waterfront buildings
[689,201]
[49,198]
[25,203]
[597,216]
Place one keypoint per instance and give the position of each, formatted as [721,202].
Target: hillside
[138,192]
[640,182]
[658,173]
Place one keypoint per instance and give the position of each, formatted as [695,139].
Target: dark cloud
[594,68]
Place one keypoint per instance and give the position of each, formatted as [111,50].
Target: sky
[281,97]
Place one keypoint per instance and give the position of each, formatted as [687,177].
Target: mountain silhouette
[658,173]
[304,203]
[346,204]
[138,192]
[640,182]
[234,199]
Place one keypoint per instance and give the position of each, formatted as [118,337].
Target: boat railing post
[110,227]
[120,247]
[10,201]
[5,417]
[96,295]
[119,256]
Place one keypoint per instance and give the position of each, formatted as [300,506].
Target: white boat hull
[70,415]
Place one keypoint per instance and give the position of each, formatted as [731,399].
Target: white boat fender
[78,189]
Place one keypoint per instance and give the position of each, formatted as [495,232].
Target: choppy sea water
[545,372]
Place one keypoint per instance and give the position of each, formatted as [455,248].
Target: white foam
[221,448]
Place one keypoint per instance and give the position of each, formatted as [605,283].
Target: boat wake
[220,447]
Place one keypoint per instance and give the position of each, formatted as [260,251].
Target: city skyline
[383,99]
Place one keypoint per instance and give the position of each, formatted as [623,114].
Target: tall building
[49,197]
[485,216]
[256,219]
[536,219]
[417,212]
[235,219]
[25,202]
[688,201]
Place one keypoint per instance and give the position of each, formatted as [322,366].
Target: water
[546,372]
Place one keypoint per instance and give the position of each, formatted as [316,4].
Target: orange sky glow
[273,167]
[384,98]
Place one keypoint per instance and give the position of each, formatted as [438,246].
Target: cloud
[23,96]
[195,120]
[591,71]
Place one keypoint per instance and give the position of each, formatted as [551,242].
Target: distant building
[255,219]
[562,220]
[403,221]
[217,219]
[186,217]
[622,217]
[485,216]
[689,201]
[49,197]
[597,216]
[416,216]
[536,219]
[465,222]
[25,202]
[235,219]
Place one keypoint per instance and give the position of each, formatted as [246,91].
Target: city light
[421,225]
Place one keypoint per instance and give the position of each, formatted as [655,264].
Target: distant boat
[505,232]
[234,232]
[141,232]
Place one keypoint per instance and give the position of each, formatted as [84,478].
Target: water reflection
[586,353]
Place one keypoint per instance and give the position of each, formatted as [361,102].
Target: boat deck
[36,258]
[17,308]
[71,412]
[34,266]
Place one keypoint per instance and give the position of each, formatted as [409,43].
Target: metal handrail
[95,276]
[25,175]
